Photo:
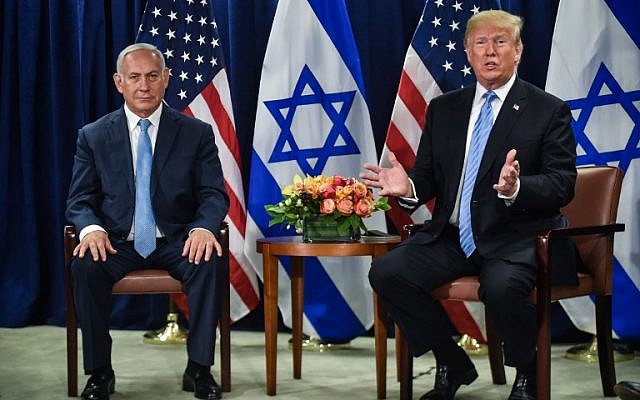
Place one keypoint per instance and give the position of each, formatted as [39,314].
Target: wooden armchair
[592,214]
[149,281]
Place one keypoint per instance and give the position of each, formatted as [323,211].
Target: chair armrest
[580,231]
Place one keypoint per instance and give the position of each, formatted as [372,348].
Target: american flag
[186,33]
[435,63]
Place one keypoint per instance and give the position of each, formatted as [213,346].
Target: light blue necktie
[145,223]
[479,138]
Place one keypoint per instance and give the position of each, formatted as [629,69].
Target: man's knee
[381,272]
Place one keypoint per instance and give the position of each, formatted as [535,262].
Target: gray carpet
[33,366]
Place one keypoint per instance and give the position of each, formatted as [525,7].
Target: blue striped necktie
[144,222]
[479,139]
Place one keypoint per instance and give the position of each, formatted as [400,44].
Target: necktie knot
[144,125]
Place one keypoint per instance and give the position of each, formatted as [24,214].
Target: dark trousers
[92,286]
[405,277]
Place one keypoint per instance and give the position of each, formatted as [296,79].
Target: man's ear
[117,80]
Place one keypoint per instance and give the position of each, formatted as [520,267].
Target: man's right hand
[392,181]
[97,242]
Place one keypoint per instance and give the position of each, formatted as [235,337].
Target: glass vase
[319,228]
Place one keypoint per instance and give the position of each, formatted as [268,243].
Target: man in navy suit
[490,202]
[180,207]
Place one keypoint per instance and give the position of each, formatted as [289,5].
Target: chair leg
[543,344]
[406,370]
[605,345]
[72,355]
[225,326]
[496,358]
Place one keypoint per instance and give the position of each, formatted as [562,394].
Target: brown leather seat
[149,281]
[592,214]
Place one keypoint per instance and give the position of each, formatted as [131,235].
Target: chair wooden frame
[154,281]
[592,214]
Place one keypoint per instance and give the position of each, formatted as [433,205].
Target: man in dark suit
[146,189]
[499,159]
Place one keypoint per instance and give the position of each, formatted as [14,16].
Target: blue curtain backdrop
[56,61]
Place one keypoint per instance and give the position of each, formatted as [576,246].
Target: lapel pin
[516,107]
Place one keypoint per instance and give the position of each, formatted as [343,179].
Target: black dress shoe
[448,382]
[202,384]
[524,388]
[99,386]
[627,390]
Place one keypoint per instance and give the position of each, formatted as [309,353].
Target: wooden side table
[294,247]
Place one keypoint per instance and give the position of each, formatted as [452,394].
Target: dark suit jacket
[187,189]
[538,126]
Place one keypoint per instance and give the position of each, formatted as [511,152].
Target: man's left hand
[201,243]
[509,174]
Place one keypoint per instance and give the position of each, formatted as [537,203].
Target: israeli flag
[312,118]
[594,66]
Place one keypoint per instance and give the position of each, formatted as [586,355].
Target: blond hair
[496,18]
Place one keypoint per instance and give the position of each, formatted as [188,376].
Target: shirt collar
[501,92]
[133,119]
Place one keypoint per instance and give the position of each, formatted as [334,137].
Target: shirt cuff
[88,229]
[509,200]
[414,199]
[200,229]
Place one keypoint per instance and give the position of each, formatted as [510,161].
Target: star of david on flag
[336,107]
[312,118]
[186,33]
[599,80]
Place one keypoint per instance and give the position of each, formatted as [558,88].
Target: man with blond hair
[499,159]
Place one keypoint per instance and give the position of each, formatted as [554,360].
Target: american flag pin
[516,107]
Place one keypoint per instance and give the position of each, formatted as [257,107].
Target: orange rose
[345,206]
[364,207]
[360,189]
[327,206]
[327,191]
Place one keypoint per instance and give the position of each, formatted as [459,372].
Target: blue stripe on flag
[335,20]
[625,299]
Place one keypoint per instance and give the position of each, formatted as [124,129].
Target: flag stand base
[319,345]
[588,352]
[472,347]
[171,333]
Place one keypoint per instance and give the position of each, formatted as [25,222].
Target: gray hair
[135,47]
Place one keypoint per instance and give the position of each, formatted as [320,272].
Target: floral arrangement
[344,200]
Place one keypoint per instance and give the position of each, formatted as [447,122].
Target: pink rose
[345,206]
[327,206]
[339,181]
[364,208]
[327,191]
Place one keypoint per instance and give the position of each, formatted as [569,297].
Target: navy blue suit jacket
[538,126]
[187,187]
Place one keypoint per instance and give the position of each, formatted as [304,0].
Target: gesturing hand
[201,242]
[392,181]
[509,174]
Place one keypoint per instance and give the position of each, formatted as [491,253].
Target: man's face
[142,82]
[493,54]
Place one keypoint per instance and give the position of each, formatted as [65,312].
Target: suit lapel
[167,133]
[121,146]
[513,107]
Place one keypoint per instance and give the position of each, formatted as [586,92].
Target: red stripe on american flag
[227,130]
[461,319]
[411,97]
[398,145]
[236,213]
